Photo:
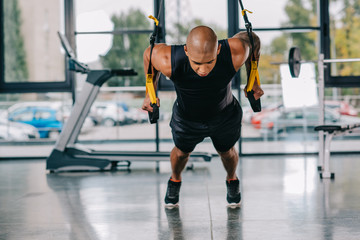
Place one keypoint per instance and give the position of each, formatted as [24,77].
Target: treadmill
[69,155]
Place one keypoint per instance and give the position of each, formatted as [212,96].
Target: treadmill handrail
[77,66]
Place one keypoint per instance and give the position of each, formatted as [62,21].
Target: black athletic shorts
[223,129]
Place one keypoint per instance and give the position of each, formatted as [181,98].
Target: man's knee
[180,154]
[229,154]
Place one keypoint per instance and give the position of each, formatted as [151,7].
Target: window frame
[330,80]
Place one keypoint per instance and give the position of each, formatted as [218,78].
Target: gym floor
[282,198]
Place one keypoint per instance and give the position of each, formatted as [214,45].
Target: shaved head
[201,40]
[202,49]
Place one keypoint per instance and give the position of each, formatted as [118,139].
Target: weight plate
[294,62]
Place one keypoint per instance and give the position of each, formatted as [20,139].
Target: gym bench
[331,131]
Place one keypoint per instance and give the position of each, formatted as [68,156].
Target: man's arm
[160,60]
[160,63]
[246,45]
[240,50]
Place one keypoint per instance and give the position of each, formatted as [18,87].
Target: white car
[64,112]
[111,113]
[299,120]
[14,131]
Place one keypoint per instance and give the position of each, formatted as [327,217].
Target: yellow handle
[150,88]
[254,76]
[154,18]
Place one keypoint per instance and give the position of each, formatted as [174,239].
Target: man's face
[202,63]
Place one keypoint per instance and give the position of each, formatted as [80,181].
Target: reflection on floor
[283,198]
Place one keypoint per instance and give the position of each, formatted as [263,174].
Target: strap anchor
[245,10]
[155,20]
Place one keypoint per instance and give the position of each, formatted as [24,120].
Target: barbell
[295,61]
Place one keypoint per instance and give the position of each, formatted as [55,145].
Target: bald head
[201,39]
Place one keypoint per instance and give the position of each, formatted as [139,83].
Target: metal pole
[339,60]
[233,28]
[159,6]
[321,87]
[325,35]
[326,170]
[70,34]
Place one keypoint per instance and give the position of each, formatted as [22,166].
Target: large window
[343,43]
[113,34]
[182,16]
[290,106]
[32,58]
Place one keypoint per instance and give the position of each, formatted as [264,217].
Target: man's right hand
[147,104]
[258,92]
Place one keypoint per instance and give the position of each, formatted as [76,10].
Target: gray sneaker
[172,193]
[233,192]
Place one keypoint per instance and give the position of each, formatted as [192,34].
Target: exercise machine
[330,132]
[67,154]
[326,132]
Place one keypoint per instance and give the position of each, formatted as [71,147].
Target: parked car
[113,113]
[61,112]
[21,105]
[142,116]
[13,131]
[110,114]
[46,119]
[342,107]
[257,117]
[300,120]
[65,110]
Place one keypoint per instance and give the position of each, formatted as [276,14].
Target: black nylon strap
[152,43]
[153,36]
[154,116]
[248,30]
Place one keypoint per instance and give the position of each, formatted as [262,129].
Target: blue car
[45,119]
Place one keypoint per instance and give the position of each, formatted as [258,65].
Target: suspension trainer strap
[254,73]
[150,89]
[149,76]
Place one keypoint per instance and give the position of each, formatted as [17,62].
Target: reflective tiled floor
[283,198]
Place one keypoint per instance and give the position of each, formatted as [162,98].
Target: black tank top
[200,98]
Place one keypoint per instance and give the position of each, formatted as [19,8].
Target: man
[201,72]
